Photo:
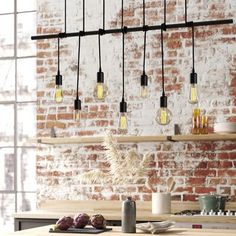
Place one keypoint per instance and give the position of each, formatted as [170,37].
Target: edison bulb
[58,94]
[123,122]
[144,91]
[193,96]
[100,91]
[164,116]
[77,115]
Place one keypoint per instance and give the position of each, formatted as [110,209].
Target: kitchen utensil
[170,184]
[212,202]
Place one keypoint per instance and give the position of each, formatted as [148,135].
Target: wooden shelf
[139,139]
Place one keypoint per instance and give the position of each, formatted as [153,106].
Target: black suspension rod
[104,14]
[83,16]
[133,29]
[164,11]
[65,16]
[185,11]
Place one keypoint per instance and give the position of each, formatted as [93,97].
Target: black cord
[83,15]
[123,66]
[65,16]
[58,55]
[162,62]
[165,11]
[104,13]
[193,45]
[186,11]
[99,52]
[144,52]
[122,13]
[77,91]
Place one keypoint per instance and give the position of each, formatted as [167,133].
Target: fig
[64,223]
[81,220]
[98,221]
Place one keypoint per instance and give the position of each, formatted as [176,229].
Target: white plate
[155,227]
[228,127]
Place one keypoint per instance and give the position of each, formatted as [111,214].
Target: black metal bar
[133,29]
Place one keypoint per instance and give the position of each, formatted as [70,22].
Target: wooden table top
[116,231]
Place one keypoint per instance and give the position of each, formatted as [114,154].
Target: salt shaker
[128,216]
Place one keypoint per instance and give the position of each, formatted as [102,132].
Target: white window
[17,109]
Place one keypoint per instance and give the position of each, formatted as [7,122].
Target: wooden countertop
[116,231]
[111,210]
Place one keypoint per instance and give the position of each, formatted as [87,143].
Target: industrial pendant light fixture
[193,95]
[100,90]
[123,105]
[164,115]
[58,95]
[144,77]
[77,102]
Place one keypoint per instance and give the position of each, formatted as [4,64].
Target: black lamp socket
[123,106]
[193,78]
[58,79]
[100,77]
[77,104]
[163,101]
[144,80]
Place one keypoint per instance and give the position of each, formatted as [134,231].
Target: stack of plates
[226,127]
[155,227]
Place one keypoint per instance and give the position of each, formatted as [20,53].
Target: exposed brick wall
[199,167]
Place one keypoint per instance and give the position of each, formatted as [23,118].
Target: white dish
[155,227]
[227,127]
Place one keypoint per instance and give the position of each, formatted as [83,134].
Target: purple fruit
[64,223]
[81,220]
[98,221]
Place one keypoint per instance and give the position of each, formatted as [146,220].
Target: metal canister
[128,221]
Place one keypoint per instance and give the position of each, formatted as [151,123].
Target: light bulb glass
[144,91]
[193,96]
[100,91]
[164,116]
[58,94]
[123,122]
[77,115]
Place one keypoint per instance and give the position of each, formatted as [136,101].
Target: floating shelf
[139,139]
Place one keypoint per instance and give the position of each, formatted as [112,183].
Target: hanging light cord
[162,62]
[193,45]
[58,55]
[77,91]
[123,50]
[145,38]
[123,65]
[99,52]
